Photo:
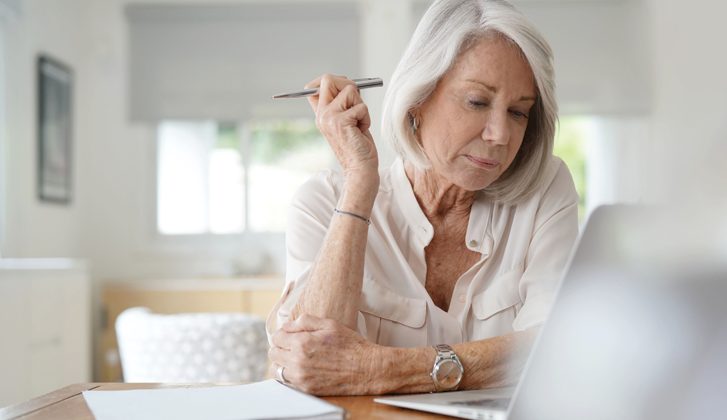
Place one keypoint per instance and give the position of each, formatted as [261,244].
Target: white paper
[262,400]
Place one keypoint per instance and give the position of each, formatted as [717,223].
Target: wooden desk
[68,403]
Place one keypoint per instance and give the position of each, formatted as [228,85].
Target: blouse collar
[479,235]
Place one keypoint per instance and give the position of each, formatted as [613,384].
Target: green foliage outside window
[570,140]
[273,141]
[293,144]
[227,137]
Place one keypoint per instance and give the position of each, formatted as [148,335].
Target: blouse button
[462,298]
[473,244]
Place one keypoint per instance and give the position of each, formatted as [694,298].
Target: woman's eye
[518,114]
[475,103]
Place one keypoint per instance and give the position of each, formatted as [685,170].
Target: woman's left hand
[324,357]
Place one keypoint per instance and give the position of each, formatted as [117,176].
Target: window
[227,178]
[570,145]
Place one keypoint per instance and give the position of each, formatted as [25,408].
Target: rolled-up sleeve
[555,232]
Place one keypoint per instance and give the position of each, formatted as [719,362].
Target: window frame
[244,130]
[219,246]
[243,146]
[228,254]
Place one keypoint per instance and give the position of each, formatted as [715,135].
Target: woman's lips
[484,162]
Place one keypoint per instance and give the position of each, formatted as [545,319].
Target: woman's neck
[438,197]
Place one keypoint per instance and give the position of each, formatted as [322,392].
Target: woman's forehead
[496,62]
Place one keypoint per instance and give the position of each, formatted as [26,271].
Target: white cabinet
[45,326]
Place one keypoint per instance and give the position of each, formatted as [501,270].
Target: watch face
[448,374]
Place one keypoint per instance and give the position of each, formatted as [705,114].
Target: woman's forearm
[497,361]
[333,289]
[494,362]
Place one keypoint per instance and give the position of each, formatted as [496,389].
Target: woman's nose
[496,130]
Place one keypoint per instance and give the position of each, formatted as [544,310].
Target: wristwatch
[447,371]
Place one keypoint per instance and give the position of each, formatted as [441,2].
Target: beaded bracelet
[348,213]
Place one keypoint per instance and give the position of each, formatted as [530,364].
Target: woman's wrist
[402,370]
[359,193]
[384,379]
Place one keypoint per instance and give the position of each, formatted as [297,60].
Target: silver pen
[367,82]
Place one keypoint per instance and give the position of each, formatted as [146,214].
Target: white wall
[387,26]
[5,14]
[603,71]
[616,147]
[675,152]
[689,109]
[600,50]
[33,228]
[690,122]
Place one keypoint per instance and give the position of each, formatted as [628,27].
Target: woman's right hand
[343,118]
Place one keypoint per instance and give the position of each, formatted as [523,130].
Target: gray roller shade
[223,62]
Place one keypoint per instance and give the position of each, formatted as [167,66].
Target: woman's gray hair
[447,29]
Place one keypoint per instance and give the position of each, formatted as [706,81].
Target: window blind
[224,62]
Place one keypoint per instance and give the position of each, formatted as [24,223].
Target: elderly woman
[432,275]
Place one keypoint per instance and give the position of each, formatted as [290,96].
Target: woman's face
[473,124]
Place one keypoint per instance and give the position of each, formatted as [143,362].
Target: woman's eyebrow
[494,90]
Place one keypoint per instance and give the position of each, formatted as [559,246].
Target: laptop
[491,404]
[626,338]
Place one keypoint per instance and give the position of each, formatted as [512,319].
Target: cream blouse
[523,248]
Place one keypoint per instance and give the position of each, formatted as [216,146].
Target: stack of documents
[262,400]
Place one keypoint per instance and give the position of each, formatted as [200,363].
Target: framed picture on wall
[55,116]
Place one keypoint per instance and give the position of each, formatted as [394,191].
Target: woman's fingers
[337,116]
[344,120]
[279,356]
[322,356]
[295,352]
[361,113]
[313,83]
[328,90]
[298,335]
[329,86]
[347,97]
[282,339]
[313,99]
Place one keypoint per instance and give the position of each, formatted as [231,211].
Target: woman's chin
[474,185]
[476,180]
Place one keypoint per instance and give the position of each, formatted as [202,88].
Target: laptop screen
[628,332]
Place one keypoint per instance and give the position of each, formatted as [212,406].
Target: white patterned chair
[191,348]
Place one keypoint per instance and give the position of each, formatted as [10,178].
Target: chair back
[192,347]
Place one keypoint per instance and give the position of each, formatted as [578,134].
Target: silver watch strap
[443,348]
